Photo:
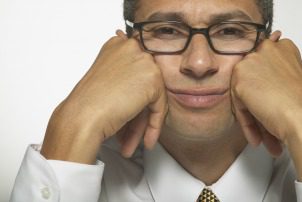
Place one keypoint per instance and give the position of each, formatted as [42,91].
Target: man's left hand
[267,97]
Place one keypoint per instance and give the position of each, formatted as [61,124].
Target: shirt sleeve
[39,179]
[298,186]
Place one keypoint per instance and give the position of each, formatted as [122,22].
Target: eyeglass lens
[174,36]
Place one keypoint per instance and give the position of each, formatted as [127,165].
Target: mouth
[198,98]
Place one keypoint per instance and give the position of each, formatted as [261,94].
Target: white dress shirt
[153,176]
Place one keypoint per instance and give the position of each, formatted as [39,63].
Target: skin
[204,138]
[262,92]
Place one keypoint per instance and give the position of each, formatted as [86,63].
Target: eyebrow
[215,18]
[170,16]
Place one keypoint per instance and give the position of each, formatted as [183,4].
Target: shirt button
[45,192]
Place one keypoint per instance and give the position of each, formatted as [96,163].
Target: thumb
[275,36]
[121,34]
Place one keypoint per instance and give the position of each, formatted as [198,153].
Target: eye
[166,32]
[232,31]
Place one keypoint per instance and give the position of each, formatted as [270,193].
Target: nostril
[194,73]
[212,71]
[187,71]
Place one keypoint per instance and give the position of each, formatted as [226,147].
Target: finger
[158,111]
[247,122]
[133,134]
[121,133]
[249,127]
[121,34]
[275,36]
[271,143]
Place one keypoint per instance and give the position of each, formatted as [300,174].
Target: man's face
[198,80]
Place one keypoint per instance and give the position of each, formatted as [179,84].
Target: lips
[199,98]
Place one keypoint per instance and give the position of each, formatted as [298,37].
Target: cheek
[226,63]
[169,65]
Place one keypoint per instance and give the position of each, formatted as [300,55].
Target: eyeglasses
[173,37]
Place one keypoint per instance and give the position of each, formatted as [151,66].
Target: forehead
[197,12]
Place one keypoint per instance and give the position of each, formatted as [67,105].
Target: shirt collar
[249,175]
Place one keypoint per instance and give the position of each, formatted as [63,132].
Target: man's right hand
[122,93]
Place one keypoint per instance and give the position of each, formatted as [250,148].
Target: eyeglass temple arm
[130,24]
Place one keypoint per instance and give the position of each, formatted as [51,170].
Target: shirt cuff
[298,186]
[51,180]
[78,182]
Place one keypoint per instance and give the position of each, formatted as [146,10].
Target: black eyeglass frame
[192,31]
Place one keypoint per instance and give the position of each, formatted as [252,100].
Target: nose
[198,60]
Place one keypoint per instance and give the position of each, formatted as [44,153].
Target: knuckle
[155,75]
[238,77]
[286,41]
[131,42]
[252,56]
[155,82]
[146,56]
[237,88]
[112,40]
[110,43]
[132,47]
[237,70]
[145,59]
[266,44]
[291,45]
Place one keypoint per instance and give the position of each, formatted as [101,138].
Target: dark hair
[265,6]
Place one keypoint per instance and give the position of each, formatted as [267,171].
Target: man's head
[198,79]
[265,8]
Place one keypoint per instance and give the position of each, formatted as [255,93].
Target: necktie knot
[207,196]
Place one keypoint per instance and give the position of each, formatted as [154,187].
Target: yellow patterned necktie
[207,196]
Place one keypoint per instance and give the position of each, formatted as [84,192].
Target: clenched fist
[122,93]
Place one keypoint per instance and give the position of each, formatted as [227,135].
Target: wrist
[294,141]
[295,150]
[71,137]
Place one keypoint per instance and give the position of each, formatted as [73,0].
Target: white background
[46,47]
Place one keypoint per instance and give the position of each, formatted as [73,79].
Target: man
[202,83]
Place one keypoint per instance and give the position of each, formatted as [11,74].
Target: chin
[200,125]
